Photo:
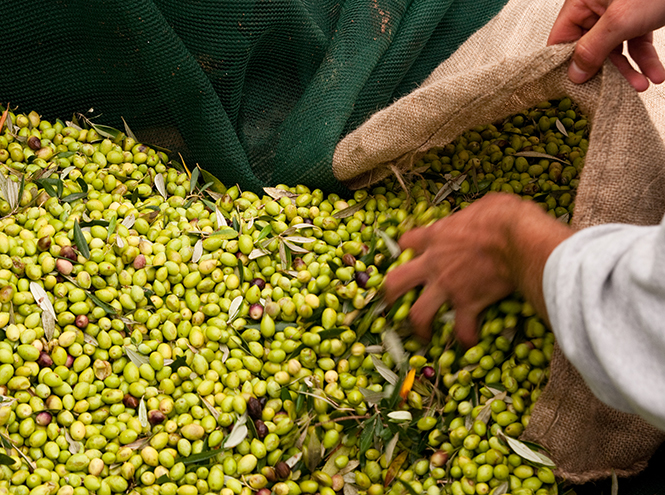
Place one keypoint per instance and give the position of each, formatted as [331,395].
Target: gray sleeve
[604,288]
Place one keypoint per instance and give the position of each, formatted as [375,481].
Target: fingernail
[576,74]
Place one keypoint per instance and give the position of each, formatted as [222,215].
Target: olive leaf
[452,184]
[143,414]
[202,456]
[394,347]
[41,298]
[194,179]
[234,309]
[138,444]
[299,239]
[159,184]
[501,489]
[225,352]
[79,240]
[135,357]
[5,460]
[48,324]
[225,233]
[221,221]
[128,131]
[257,253]
[7,401]
[217,185]
[210,407]
[198,251]
[537,154]
[525,452]
[394,467]
[293,247]
[351,210]
[384,371]
[393,247]
[65,173]
[313,454]
[561,127]
[128,222]
[390,448]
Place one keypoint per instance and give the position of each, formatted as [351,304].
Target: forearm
[532,237]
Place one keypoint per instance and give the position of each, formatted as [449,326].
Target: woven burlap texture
[623,181]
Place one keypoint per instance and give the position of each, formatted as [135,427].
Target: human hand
[474,258]
[601,26]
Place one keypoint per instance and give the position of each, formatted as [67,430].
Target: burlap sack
[623,181]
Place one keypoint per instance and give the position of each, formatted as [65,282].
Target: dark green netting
[258,92]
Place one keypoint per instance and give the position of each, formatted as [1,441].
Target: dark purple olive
[156,417]
[254,408]
[283,470]
[361,279]
[428,372]
[44,360]
[259,282]
[68,252]
[261,429]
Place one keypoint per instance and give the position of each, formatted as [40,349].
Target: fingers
[642,51]
[636,79]
[404,278]
[466,326]
[423,310]
[594,47]
[416,239]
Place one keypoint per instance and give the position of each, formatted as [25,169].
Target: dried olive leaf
[452,184]
[159,184]
[257,253]
[537,154]
[138,444]
[198,251]
[615,483]
[234,309]
[351,210]
[7,401]
[74,446]
[135,357]
[299,239]
[41,298]
[400,416]
[390,448]
[349,467]
[561,127]
[48,323]
[128,222]
[313,453]
[278,194]
[394,467]
[293,460]
[66,171]
[371,396]
[210,407]
[384,371]
[143,414]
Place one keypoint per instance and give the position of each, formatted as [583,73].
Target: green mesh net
[258,92]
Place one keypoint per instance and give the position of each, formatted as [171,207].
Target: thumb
[593,48]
